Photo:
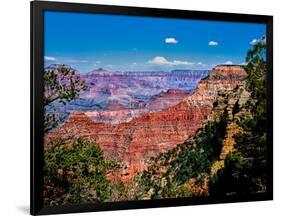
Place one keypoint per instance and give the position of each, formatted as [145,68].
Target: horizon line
[130,71]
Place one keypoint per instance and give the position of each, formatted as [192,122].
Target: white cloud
[254,41]
[49,58]
[228,63]
[160,60]
[213,43]
[201,64]
[98,62]
[171,41]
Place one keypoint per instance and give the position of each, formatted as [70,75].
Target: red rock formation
[166,99]
[143,137]
[223,71]
[114,106]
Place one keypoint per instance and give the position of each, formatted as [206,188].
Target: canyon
[116,113]
[132,126]
[131,94]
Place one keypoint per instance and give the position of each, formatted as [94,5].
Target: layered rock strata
[146,136]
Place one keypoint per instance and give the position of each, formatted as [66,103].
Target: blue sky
[129,43]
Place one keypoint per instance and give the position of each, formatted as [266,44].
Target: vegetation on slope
[245,169]
[184,170]
[76,173]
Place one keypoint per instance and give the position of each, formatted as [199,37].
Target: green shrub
[75,173]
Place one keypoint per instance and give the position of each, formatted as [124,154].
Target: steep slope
[185,170]
[146,136]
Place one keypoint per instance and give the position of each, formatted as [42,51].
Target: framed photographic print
[140,107]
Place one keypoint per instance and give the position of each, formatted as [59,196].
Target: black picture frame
[36,112]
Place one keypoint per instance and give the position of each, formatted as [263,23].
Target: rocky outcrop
[165,99]
[234,103]
[241,96]
[228,72]
[146,136]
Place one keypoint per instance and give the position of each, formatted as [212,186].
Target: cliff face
[146,136]
[190,166]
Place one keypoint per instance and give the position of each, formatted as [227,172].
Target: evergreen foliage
[76,173]
[61,85]
[245,169]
